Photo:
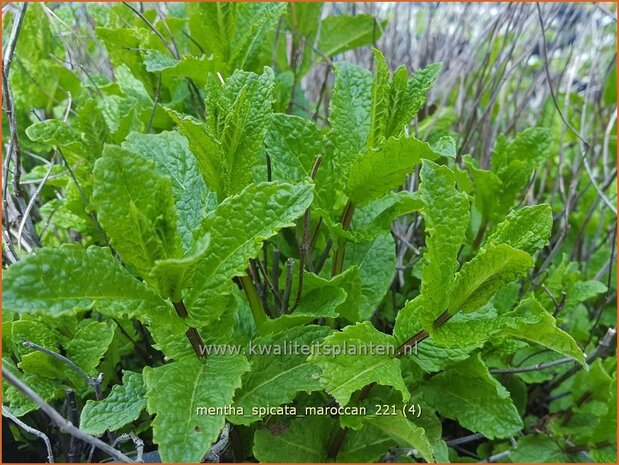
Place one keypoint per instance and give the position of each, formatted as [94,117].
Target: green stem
[254,300]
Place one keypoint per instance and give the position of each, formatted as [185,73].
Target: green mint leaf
[133,87]
[342,32]
[383,169]
[365,445]
[170,152]
[538,449]
[527,228]
[53,132]
[175,392]
[130,195]
[513,162]
[349,281]
[405,433]
[91,124]
[346,373]
[350,123]
[486,273]
[317,303]
[376,260]
[303,441]
[239,114]
[407,96]
[293,145]
[213,26]
[121,407]
[468,394]
[528,321]
[275,379]
[542,330]
[487,188]
[69,278]
[446,216]
[255,21]
[89,344]
[205,147]
[19,404]
[380,100]
[173,275]
[156,61]
[237,228]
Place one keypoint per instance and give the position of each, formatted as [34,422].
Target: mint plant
[200,210]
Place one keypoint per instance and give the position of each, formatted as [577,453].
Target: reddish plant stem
[192,333]
[338,258]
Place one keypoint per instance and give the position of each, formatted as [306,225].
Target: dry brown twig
[60,421]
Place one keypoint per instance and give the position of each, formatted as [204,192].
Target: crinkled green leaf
[33,331]
[527,228]
[61,280]
[47,389]
[122,406]
[529,321]
[487,187]
[435,355]
[293,144]
[213,26]
[446,216]
[581,291]
[135,206]
[384,169]
[175,391]
[606,429]
[89,343]
[379,111]
[205,147]
[350,122]
[91,124]
[170,152]
[121,115]
[537,449]
[256,20]
[543,331]
[365,445]
[405,433]
[376,261]
[513,162]
[304,440]
[173,275]
[237,227]
[376,217]
[317,303]
[239,114]
[53,132]
[358,364]
[486,273]
[275,379]
[408,95]
[468,394]
[131,86]
[156,61]
[445,147]
[342,32]
[349,281]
